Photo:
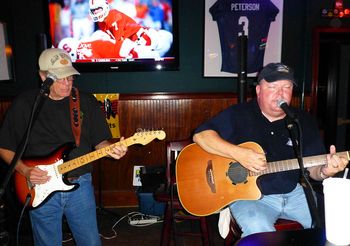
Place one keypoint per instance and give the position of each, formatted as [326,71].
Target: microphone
[45,86]
[284,106]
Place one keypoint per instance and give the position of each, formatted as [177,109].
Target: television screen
[6,56]
[116,35]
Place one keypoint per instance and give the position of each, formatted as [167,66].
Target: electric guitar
[57,168]
[207,183]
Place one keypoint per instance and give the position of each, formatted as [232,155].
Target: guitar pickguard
[42,191]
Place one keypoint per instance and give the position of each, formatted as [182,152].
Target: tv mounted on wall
[6,55]
[116,35]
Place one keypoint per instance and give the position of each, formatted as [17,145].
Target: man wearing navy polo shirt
[262,120]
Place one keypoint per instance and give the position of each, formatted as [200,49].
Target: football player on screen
[100,46]
[121,27]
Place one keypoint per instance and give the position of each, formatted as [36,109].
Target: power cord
[70,238]
[140,219]
[132,217]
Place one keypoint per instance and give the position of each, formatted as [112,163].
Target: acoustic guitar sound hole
[237,173]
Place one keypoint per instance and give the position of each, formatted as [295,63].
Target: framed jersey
[225,20]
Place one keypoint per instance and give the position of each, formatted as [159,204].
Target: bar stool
[174,211]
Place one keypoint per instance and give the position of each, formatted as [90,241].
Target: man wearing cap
[49,132]
[262,121]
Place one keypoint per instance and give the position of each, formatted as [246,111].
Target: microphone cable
[28,197]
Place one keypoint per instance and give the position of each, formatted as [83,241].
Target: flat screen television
[6,55]
[116,35]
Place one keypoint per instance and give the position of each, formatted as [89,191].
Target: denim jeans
[260,215]
[80,210]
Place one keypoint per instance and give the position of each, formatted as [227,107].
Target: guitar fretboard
[140,138]
[292,164]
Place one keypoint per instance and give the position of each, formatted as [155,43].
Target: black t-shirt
[52,128]
[244,122]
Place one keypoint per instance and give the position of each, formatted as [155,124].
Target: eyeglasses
[69,79]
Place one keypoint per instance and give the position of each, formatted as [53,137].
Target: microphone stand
[297,141]
[39,100]
[43,94]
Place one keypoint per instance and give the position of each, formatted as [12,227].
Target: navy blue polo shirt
[244,122]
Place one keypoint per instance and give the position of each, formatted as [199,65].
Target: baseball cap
[276,71]
[57,62]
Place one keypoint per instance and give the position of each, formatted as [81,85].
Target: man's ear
[257,89]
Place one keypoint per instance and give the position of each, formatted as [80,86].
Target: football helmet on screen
[99,9]
[70,45]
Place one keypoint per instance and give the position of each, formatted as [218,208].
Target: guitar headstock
[145,137]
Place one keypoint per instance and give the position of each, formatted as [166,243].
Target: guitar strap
[74,105]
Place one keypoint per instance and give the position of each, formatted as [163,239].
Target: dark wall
[26,21]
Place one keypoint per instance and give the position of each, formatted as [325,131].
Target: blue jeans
[260,215]
[80,210]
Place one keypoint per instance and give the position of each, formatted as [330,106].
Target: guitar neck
[92,156]
[292,164]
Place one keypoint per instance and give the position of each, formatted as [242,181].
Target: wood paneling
[177,114]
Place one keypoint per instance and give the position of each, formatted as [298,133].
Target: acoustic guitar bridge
[210,176]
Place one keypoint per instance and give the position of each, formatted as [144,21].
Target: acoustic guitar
[57,168]
[207,183]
